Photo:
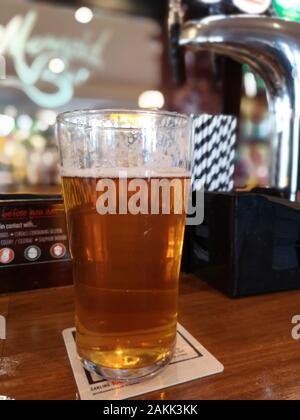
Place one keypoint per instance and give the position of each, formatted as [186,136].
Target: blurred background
[67,55]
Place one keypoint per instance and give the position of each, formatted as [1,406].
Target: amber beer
[126,272]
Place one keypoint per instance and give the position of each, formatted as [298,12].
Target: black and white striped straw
[214,142]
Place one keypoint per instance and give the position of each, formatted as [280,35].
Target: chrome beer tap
[271,46]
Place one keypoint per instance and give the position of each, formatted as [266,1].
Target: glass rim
[62,118]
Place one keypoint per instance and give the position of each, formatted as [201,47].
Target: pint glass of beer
[125,177]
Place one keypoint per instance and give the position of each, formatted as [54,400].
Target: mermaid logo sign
[31,56]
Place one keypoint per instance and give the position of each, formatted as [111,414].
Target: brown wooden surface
[30,189]
[251,337]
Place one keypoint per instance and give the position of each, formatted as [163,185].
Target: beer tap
[271,46]
[175,22]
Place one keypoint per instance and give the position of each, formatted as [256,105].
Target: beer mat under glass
[190,362]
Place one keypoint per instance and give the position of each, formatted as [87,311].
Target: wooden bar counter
[251,337]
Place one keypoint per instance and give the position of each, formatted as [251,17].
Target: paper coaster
[191,361]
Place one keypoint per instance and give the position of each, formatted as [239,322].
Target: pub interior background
[64,55]
[67,55]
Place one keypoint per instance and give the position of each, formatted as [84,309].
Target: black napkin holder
[249,244]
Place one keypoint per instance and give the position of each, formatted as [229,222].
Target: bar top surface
[251,337]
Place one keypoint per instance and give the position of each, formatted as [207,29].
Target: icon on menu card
[7,255]
[32,253]
[58,251]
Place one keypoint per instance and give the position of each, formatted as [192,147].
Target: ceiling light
[7,125]
[151,99]
[56,65]
[84,15]
[250,85]
[25,122]
[47,116]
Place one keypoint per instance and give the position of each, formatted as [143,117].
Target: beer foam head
[133,172]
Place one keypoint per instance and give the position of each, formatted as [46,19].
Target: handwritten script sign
[31,55]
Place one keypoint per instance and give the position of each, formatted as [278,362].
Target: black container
[249,244]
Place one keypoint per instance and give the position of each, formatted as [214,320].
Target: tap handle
[177,55]
[176,14]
